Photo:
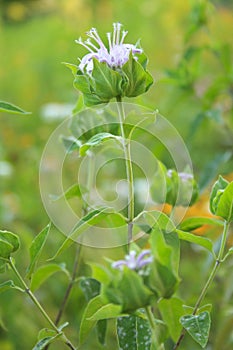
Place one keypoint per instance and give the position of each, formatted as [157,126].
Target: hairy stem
[212,275]
[38,305]
[129,170]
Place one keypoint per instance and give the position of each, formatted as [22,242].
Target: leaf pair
[221,199]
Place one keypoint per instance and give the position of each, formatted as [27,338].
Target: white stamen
[109,41]
[80,42]
[124,33]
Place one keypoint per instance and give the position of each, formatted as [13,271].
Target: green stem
[129,170]
[152,324]
[212,275]
[38,305]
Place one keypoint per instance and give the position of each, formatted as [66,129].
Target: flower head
[134,262]
[117,53]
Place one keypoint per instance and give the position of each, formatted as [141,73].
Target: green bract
[106,83]
[221,199]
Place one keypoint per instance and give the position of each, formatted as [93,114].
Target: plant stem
[38,305]
[70,285]
[212,275]
[152,324]
[129,170]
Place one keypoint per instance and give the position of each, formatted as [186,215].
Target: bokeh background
[190,50]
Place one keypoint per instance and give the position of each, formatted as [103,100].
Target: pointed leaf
[10,108]
[193,223]
[45,341]
[198,326]
[107,311]
[44,272]
[202,241]
[36,248]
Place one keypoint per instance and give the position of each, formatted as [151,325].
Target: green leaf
[198,326]
[195,222]
[9,285]
[36,249]
[45,341]
[127,332]
[138,80]
[219,185]
[44,272]
[200,240]
[171,311]
[11,238]
[133,333]
[10,108]
[72,67]
[107,82]
[225,204]
[71,143]
[106,312]
[88,324]
[90,287]
[9,243]
[5,249]
[91,219]
[163,276]
[96,140]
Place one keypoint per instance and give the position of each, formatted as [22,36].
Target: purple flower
[134,262]
[117,53]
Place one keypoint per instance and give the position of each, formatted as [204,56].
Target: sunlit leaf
[10,108]
[71,143]
[202,241]
[107,311]
[75,190]
[193,223]
[219,185]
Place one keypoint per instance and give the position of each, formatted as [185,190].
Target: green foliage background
[189,44]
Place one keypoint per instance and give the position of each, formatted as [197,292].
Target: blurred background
[190,50]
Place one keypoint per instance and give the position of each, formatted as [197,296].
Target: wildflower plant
[140,288]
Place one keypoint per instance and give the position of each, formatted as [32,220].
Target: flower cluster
[134,262]
[114,70]
[116,55]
